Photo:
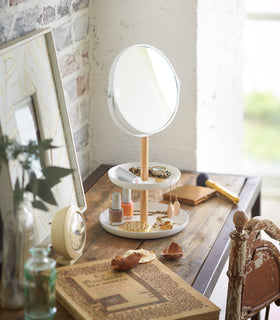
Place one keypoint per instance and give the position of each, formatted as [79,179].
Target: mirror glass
[27,126]
[143,90]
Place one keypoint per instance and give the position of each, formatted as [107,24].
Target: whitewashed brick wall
[69,20]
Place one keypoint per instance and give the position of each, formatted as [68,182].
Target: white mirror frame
[29,68]
[117,116]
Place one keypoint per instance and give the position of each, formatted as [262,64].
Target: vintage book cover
[190,194]
[92,290]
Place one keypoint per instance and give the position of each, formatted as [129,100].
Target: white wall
[169,26]
[202,39]
[219,85]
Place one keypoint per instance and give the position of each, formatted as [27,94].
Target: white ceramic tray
[179,223]
[151,183]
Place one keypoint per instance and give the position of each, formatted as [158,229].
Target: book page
[118,290]
[93,290]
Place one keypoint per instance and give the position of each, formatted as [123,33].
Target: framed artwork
[32,107]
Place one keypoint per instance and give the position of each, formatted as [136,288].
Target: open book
[92,290]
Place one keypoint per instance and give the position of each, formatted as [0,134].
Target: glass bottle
[39,285]
[18,238]
[116,211]
[127,204]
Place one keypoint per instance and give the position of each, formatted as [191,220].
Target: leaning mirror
[143,97]
[33,107]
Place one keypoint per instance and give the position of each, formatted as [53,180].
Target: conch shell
[121,263]
[173,251]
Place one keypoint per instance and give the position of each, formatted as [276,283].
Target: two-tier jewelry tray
[156,211]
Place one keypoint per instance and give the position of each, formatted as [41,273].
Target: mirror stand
[144,177]
[143,97]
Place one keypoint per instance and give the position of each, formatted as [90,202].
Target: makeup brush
[203,180]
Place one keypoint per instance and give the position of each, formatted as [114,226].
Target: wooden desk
[205,240]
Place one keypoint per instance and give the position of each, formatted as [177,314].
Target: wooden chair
[254,268]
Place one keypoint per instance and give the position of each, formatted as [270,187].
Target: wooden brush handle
[223,191]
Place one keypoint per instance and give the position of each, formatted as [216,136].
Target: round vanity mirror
[143,91]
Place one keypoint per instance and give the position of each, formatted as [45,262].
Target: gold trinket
[135,226]
[157,172]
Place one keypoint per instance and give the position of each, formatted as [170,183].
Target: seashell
[177,207]
[121,263]
[146,256]
[173,251]
[170,210]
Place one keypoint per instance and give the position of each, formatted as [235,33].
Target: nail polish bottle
[116,212]
[127,204]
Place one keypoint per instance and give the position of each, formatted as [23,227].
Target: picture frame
[32,99]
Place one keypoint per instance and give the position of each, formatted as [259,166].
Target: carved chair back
[254,268]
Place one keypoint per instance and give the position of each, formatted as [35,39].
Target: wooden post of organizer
[144,177]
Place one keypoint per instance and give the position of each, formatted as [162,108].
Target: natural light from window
[261,147]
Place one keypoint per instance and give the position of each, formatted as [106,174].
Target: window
[262,87]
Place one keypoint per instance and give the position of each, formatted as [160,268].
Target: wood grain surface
[206,220]
[205,224]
